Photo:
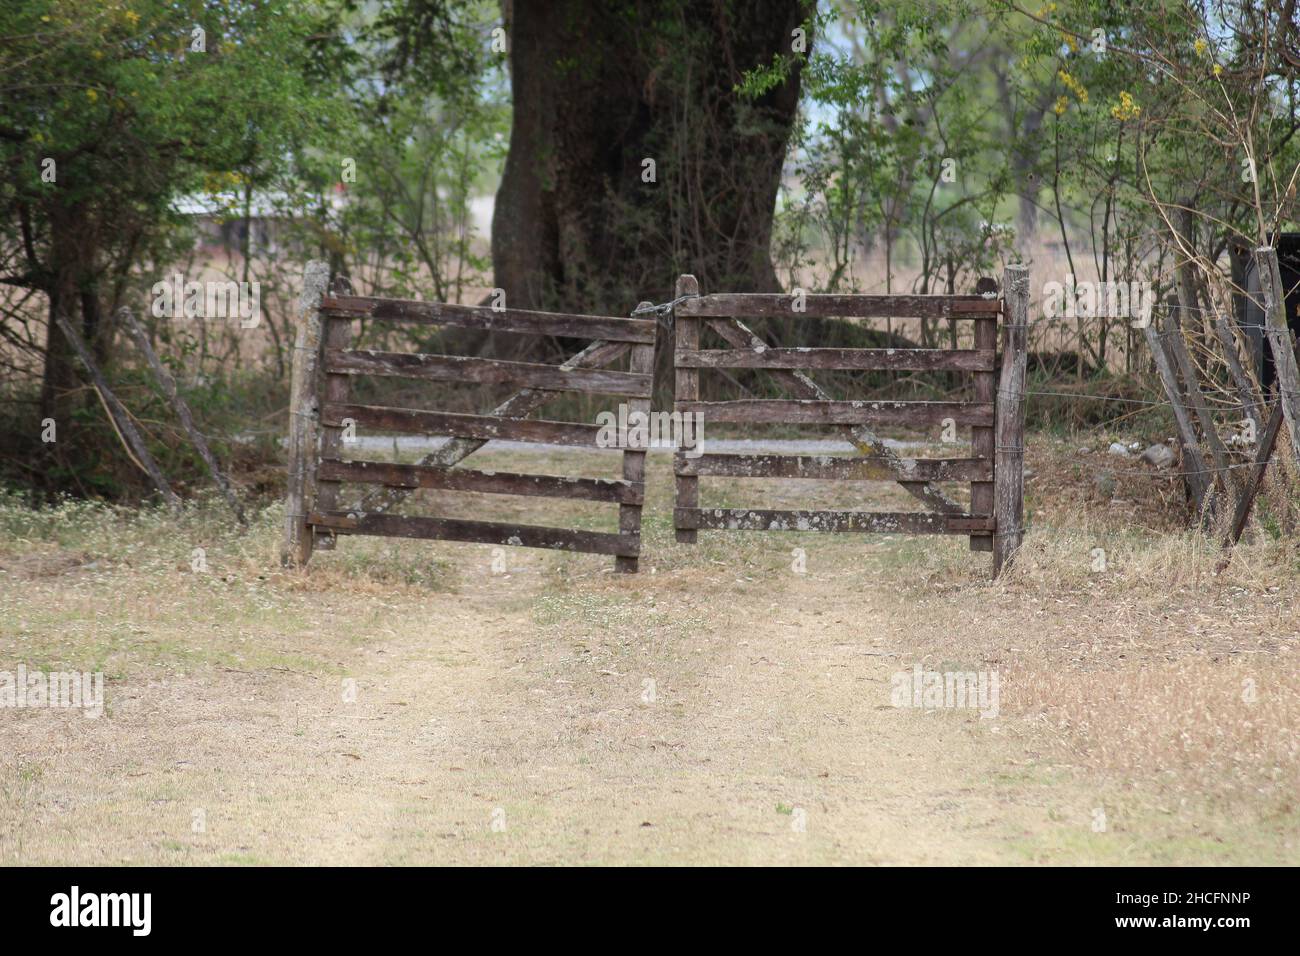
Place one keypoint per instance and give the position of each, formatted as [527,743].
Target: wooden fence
[995,414]
[324,366]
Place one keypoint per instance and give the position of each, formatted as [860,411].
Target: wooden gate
[995,414]
[320,409]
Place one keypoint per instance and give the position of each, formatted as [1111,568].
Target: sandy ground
[403,703]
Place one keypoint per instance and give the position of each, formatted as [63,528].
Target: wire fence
[1267,404]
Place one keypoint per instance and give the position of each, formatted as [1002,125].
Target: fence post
[642,360]
[1196,474]
[982,441]
[1279,339]
[686,388]
[1177,348]
[1263,454]
[336,333]
[1193,291]
[1009,451]
[303,413]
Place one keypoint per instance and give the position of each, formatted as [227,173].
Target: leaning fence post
[1263,454]
[1173,329]
[168,385]
[117,415]
[1195,474]
[1009,451]
[303,412]
[1279,340]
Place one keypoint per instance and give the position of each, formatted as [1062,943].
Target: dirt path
[539,717]
[560,738]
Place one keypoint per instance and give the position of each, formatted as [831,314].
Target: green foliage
[423,126]
[112,112]
[895,143]
[136,102]
[1172,103]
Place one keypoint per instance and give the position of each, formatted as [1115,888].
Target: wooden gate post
[303,414]
[642,360]
[982,440]
[336,333]
[1009,452]
[686,388]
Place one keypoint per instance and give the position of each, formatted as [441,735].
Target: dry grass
[681,715]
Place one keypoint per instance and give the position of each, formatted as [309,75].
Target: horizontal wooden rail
[906,360]
[458,368]
[832,467]
[759,305]
[482,532]
[486,427]
[875,522]
[485,482]
[491,320]
[813,412]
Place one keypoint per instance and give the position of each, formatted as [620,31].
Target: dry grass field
[402,702]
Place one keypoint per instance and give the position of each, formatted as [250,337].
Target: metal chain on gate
[665,307]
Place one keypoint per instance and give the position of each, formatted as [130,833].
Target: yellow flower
[132,16]
[1218,70]
[1201,46]
[1073,85]
[1061,106]
[92,95]
[1126,109]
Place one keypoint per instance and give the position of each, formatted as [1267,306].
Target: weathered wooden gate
[995,415]
[324,366]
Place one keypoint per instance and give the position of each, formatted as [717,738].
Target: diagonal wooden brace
[519,405]
[863,438]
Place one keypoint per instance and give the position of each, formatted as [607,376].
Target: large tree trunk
[66,269]
[599,88]
[71,288]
